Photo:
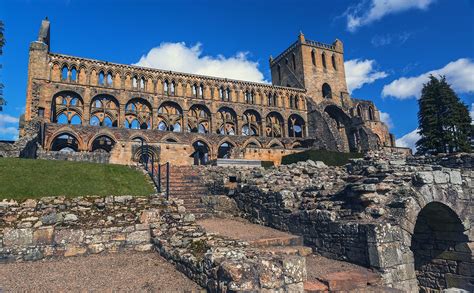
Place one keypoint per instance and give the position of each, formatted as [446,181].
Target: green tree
[2,42]
[444,121]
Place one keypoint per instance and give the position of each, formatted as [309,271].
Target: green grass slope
[24,178]
[330,158]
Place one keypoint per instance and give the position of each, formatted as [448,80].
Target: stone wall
[94,157]
[59,226]
[64,227]
[369,212]
[221,264]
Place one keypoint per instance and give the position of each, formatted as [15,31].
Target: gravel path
[239,229]
[128,271]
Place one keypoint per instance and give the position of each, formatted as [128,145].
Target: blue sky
[390,45]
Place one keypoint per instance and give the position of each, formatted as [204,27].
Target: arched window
[224,151]
[195,90]
[138,110]
[170,117]
[64,73]
[106,110]
[326,90]
[101,78]
[166,87]
[359,111]
[371,113]
[274,125]
[201,153]
[323,59]
[199,119]
[67,108]
[110,80]
[251,123]
[201,91]
[173,88]
[227,121]
[142,83]
[221,94]
[333,59]
[74,74]
[228,95]
[249,97]
[102,143]
[313,58]
[76,120]
[291,102]
[270,99]
[134,82]
[295,126]
[65,143]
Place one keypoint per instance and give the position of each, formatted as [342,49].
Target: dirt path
[129,271]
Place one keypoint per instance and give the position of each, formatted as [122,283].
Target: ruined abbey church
[97,108]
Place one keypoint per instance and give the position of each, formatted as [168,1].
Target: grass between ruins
[25,178]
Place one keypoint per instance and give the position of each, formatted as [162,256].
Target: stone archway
[440,248]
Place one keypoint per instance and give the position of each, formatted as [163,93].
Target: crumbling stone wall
[365,213]
[94,157]
[59,226]
[64,227]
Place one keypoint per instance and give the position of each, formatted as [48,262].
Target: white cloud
[360,72]
[180,57]
[459,73]
[7,130]
[369,11]
[409,140]
[385,118]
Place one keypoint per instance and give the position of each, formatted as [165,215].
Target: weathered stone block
[43,236]
[17,237]
[68,236]
[74,250]
[139,237]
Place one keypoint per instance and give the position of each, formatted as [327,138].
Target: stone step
[289,250]
[290,240]
[350,280]
[315,286]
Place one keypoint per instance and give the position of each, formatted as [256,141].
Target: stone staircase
[324,274]
[185,184]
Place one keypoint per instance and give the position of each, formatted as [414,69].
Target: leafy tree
[444,121]
[2,42]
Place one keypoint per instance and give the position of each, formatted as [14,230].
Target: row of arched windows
[323,60]
[107,78]
[67,108]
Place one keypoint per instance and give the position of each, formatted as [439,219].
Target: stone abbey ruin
[404,221]
[92,106]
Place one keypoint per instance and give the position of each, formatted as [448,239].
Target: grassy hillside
[328,157]
[24,178]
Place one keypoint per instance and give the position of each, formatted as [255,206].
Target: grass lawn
[26,178]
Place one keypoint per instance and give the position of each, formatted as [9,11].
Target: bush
[330,158]
[267,164]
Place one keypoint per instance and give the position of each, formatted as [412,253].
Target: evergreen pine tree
[444,121]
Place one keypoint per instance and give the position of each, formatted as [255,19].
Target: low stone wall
[58,226]
[64,227]
[364,212]
[224,265]
[95,157]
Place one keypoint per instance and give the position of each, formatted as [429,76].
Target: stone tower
[314,66]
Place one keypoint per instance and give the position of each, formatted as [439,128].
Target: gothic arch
[138,110]
[252,141]
[67,104]
[58,142]
[199,119]
[226,121]
[170,117]
[102,142]
[103,132]
[169,136]
[296,126]
[104,111]
[251,123]
[274,125]
[274,142]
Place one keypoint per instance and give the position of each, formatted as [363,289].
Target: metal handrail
[146,160]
